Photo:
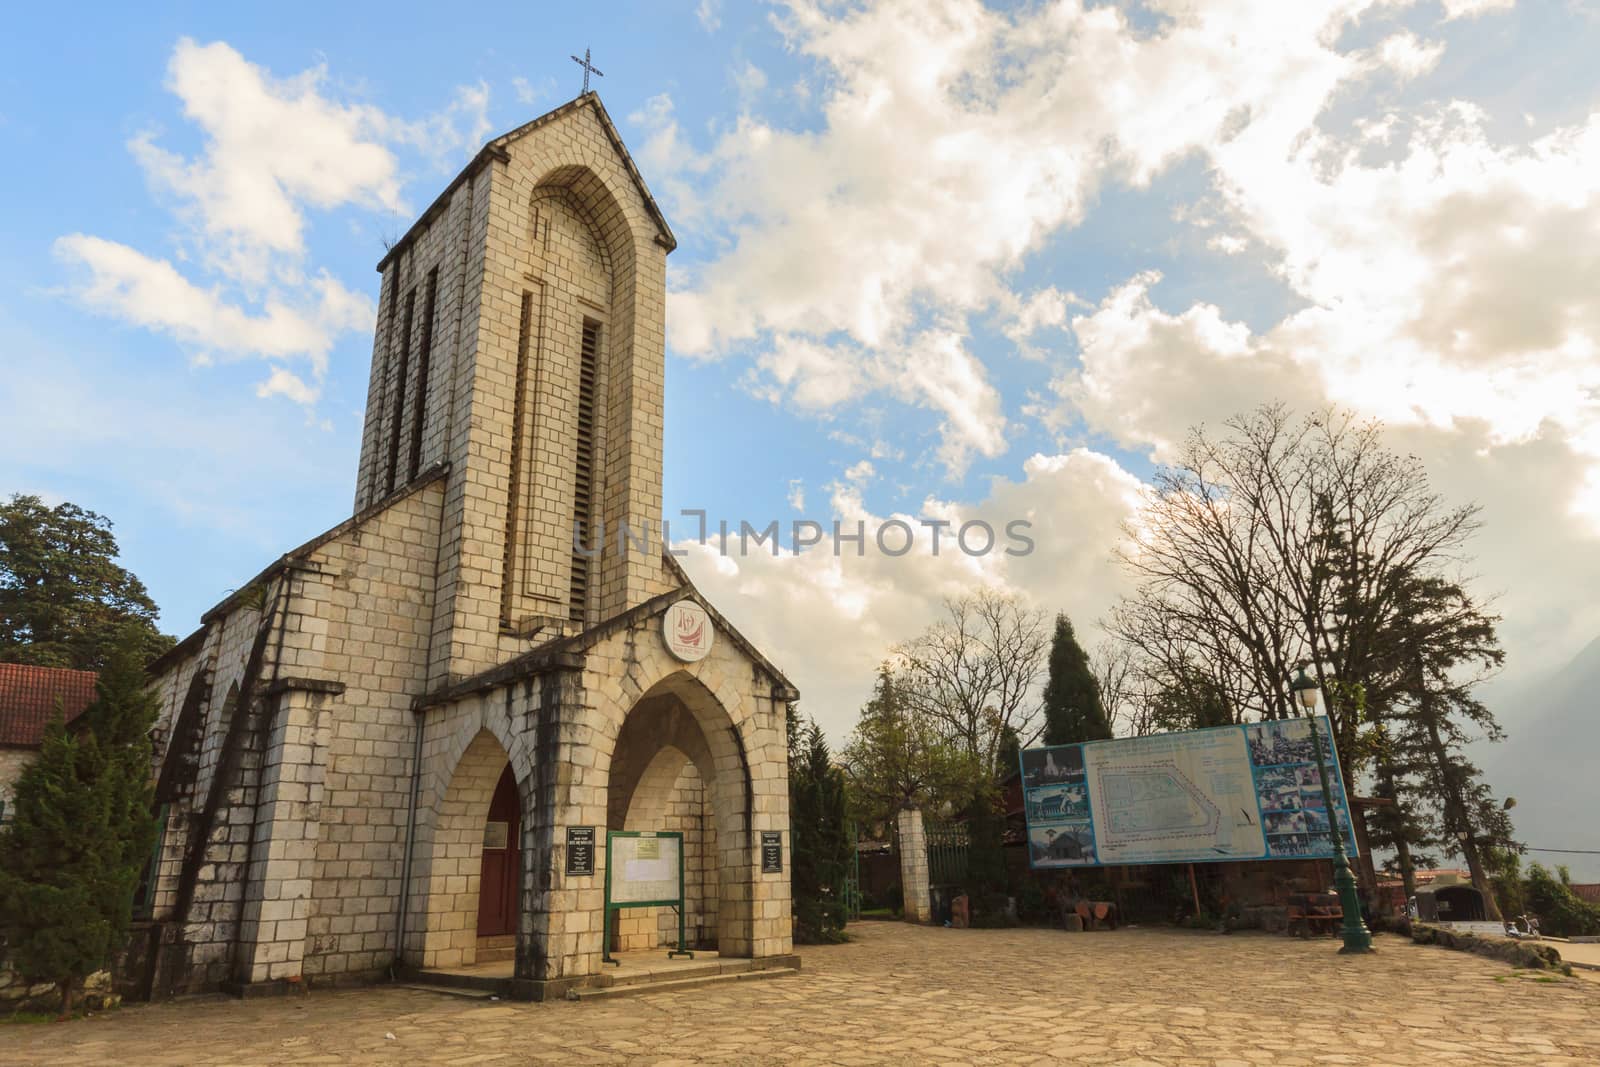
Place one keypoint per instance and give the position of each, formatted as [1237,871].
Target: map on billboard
[1227,793]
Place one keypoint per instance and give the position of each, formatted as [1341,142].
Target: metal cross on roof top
[588,69]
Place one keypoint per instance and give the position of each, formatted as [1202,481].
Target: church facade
[373,755]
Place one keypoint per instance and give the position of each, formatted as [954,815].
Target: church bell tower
[520,344]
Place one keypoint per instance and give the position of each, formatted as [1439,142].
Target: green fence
[948,845]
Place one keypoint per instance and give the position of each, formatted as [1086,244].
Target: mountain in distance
[1550,761]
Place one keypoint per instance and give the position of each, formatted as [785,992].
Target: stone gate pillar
[914,867]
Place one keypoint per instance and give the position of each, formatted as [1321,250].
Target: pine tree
[1073,710]
[70,860]
[820,844]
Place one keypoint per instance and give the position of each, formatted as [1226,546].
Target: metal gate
[948,845]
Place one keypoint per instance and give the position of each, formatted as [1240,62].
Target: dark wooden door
[497,886]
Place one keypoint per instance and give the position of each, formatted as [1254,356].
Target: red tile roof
[28,698]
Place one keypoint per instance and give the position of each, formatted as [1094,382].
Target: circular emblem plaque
[686,629]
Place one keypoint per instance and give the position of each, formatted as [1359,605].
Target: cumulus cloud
[125,283]
[1457,9]
[273,149]
[955,140]
[1439,276]
[1075,502]
[1408,55]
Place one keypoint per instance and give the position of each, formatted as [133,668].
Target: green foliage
[71,857]
[1073,710]
[1008,759]
[898,758]
[64,601]
[1561,912]
[821,849]
[1187,698]
[1504,867]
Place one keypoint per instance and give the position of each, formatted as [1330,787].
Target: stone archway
[455,870]
[677,765]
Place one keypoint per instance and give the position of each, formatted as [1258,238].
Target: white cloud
[271,147]
[709,12]
[127,284]
[272,150]
[797,494]
[1456,9]
[955,141]
[748,81]
[529,93]
[1408,55]
[1075,502]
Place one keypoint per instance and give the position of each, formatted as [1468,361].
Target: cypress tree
[820,844]
[70,860]
[1073,710]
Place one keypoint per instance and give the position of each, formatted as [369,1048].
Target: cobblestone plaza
[908,994]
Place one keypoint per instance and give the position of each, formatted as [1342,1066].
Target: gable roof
[567,651]
[496,149]
[28,697]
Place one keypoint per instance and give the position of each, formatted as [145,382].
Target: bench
[1315,913]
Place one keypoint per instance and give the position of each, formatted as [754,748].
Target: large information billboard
[1227,793]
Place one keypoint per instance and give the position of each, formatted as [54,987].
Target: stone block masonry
[333,736]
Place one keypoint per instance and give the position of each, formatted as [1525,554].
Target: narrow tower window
[400,388]
[508,573]
[419,414]
[583,480]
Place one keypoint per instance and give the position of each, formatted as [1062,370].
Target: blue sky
[934,258]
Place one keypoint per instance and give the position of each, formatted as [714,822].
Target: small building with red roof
[29,697]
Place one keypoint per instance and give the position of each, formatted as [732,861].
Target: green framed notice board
[644,869]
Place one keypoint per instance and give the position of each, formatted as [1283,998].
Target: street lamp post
[1357,938]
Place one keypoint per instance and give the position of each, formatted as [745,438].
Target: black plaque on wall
[771,852]
[580,850]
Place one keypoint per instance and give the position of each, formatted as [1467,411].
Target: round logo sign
[686,629]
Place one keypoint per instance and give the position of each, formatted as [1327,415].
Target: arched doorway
[499,870]
[676,766]
[474,861]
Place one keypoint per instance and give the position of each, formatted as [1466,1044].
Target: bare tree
[1285,542]
[1122,688]
[976,672]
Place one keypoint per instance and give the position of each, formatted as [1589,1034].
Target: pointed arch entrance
[474,873]
[678,765]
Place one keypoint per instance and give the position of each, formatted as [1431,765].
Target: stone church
[374,754]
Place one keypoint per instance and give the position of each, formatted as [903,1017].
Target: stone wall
[12,762]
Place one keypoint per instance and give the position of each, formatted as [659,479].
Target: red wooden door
[497,885]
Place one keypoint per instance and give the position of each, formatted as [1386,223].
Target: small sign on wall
[496,833]
[580,850]
[771,852]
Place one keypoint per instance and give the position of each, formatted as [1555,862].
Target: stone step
[708,969]
[675,984]
[466,983]
[451,991]
[496,955]
[497,941]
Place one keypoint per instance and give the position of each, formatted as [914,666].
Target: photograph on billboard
[1243,792]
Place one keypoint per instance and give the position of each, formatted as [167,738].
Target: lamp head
[1304,688]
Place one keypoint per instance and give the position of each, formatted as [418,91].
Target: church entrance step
[497,948]
[639,988]
[497,983]
[451,991]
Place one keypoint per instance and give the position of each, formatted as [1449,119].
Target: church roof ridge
[495,149]
[565,651]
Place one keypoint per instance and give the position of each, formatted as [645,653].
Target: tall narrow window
[375,474]
[401,370]
[419,407]
[508,573]
[583,480]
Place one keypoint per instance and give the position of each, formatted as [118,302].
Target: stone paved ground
[902,994]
